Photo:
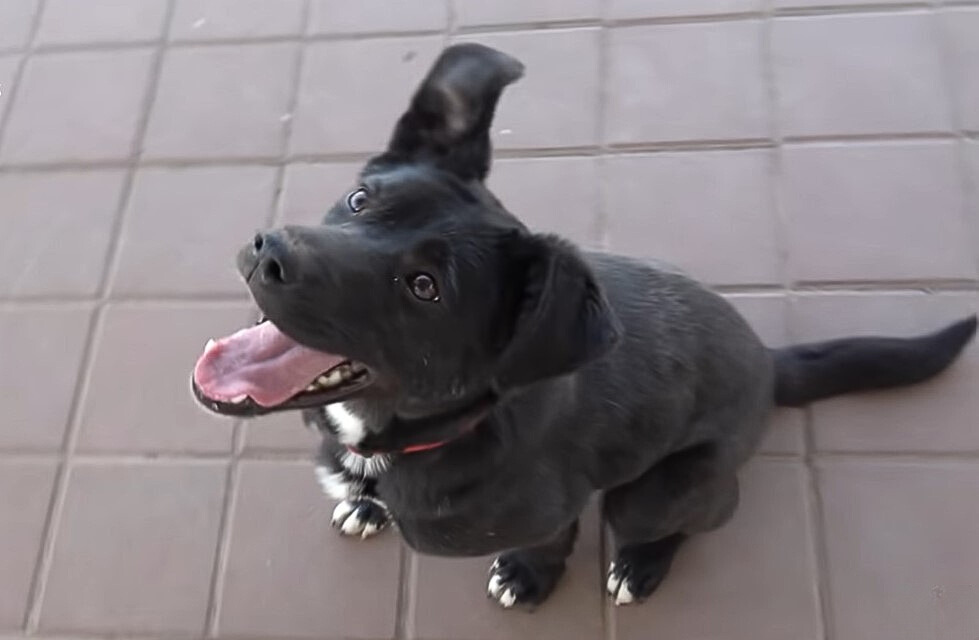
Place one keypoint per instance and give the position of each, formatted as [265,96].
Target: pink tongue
[260,362]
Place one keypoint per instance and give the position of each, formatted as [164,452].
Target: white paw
[499,590]
[618,587]
[360,517]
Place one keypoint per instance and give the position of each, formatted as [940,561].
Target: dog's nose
[271,255]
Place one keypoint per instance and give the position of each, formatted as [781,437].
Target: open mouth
[261,370]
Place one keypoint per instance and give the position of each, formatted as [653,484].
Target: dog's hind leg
[526,577]
[688,492]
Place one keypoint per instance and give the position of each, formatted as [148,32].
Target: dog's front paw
[360,517]
[515,581]
[630,582]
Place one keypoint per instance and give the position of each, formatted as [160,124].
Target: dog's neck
[411,435]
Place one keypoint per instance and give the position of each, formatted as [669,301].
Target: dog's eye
[423,287]
[357,200]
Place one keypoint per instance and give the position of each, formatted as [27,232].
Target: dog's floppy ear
[449,117]
[563,319]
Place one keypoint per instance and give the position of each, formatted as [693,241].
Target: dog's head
[419,288]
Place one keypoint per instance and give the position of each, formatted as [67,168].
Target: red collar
[466,428]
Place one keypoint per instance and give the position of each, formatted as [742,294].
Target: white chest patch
[350,428]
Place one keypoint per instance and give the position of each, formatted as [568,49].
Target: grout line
[297,75]
[854,9]
[405,607]
[602,223]
[617,149]
[928,136]
[779,456]
[56,48]
[819,552]
[194,43]
[32,607]
[604,554]
[52,525]
[60,491]
[512,27]
[686,145]
[926,285]
[229,300]
[222,551]
[29,300]
[930,457]
[15,81]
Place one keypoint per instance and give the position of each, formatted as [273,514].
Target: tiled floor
[818,161]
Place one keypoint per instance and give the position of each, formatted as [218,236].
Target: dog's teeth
[238,399]
[210,345]
[323,380]
[312,387]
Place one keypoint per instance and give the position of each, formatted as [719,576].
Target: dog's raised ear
[448,120]
[563,319]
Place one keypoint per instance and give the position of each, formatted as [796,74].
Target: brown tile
[77,106]
[222,101]
[184,227]
[375,16]
[41,351]
[686,82]
[353,106]
[620,9]
[786,433]
[101,21]
[216,19]
[555,195]
[16,17]
[903,553]
[972,169]
[934,416]
[752,579]
[62,223]
[478,12]
[23,511]
[310,190]
[658,208]
[875,212]
[138,397]
[450,598]
[555,103]
[135,549]
[290,574]
[767,315]
[283,432]
[961,28]
[859,74]
[8,69]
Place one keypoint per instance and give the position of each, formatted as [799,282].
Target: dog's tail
[808,372]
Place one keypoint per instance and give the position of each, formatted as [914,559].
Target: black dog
[493,379]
